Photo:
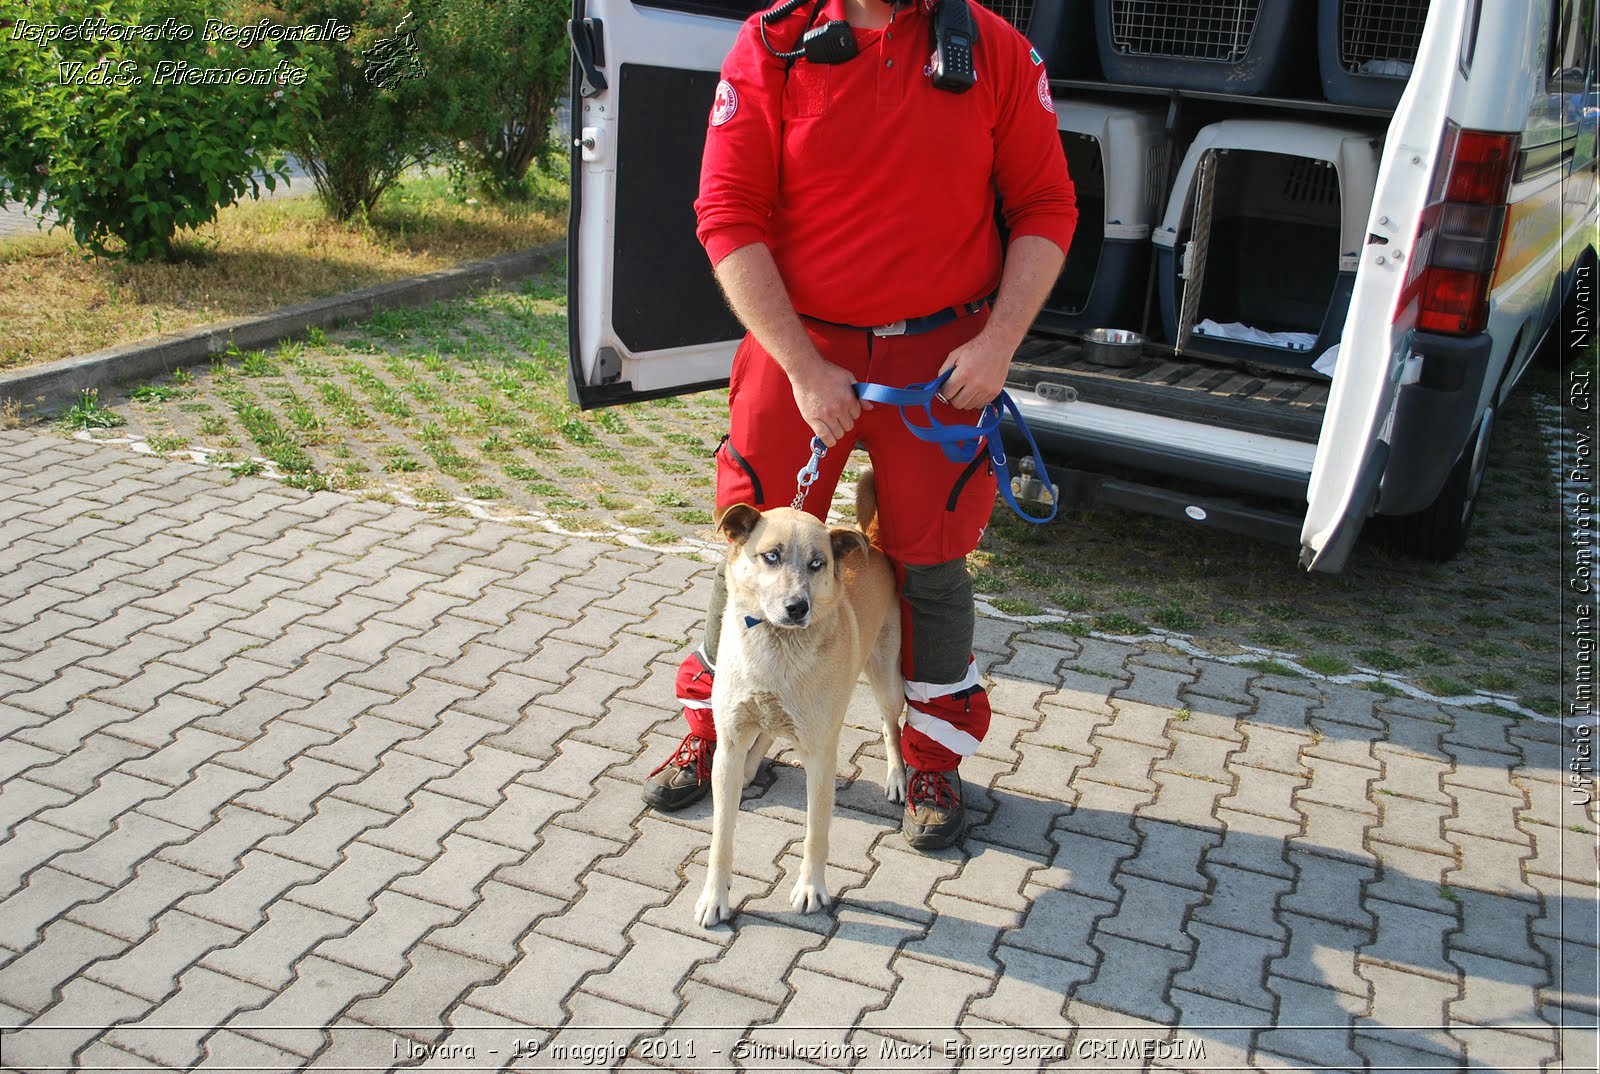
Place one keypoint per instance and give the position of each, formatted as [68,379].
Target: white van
[1339,273]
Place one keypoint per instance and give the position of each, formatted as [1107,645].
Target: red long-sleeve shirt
[874,190]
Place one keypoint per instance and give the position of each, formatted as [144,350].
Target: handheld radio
[954,34]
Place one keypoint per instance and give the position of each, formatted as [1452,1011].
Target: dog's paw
[808,897]
[894,783]
[712,909]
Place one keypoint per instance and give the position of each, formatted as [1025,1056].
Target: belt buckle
[897,328]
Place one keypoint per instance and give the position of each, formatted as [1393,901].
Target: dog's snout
[797,609]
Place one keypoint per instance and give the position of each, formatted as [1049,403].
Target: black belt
[915,326]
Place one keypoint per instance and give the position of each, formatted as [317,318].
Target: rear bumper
[1433,419]
[1092,437]
[1078,453]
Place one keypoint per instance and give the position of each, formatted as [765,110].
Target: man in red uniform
[848,210]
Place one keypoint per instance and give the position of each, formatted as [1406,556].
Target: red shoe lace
[934,786]
[693,750]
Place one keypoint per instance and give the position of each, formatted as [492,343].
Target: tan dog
[809,608]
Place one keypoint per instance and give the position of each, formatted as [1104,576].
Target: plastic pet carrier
[1224,46]
[1117,157]
[1366,49]
[1056,30]
[1258,251]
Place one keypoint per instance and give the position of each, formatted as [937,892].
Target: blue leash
[960,443]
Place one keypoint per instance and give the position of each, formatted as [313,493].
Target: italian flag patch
[1033,54]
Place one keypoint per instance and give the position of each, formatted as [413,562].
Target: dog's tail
[867,505]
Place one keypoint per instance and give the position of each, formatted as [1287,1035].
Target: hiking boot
[685,778]
[934,816]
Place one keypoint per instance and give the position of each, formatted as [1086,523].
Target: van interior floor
[1215,391]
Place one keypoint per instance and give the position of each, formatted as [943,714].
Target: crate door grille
[1311,181]
[1017,12]
[1218,30]
[1377,30]
[1155,180]
[1194,254]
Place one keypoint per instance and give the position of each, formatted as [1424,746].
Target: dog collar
[750,621]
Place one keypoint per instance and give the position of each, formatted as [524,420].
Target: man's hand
[825,394]
[1032,265]
[980,367]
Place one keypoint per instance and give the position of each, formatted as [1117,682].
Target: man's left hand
[980,371]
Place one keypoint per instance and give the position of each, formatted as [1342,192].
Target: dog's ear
[846,539]
[738,521]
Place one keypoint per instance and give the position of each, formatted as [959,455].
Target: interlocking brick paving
[297,780]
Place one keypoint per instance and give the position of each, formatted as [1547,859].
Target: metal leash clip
[808,473]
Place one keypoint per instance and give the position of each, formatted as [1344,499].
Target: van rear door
[645,316]
[1375,349]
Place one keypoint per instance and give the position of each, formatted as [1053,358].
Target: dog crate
[1257,253]
[1055,29]
[1224,46]
[1118,160]
[1366,49]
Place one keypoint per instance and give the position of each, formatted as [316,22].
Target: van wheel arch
[1439,531]
[1502,390]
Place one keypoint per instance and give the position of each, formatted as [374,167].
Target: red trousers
[930,511]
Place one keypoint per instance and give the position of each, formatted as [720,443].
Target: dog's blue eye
[816,564]
[771,557]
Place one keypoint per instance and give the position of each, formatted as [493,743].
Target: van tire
[1438,532]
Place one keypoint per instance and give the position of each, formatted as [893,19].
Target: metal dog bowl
[1113,346]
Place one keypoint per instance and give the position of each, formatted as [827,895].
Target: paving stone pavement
[297,781]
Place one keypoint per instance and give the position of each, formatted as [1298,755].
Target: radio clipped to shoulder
[955,35]
[830,43]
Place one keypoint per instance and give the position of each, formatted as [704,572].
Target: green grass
[1384,660]
[1495,682]
[1271,667]
[1325,664]
[87,413]
[1444,686]
[157,393]
[1176,618]
[256,364]
[275,442]
[163,443]
[1075,627]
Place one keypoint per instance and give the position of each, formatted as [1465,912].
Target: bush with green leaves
[401,91]
[522,78]
[131,140]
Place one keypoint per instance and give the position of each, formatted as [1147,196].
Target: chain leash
[808,473]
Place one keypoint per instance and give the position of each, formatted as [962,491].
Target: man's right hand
[823,392]
[826,397]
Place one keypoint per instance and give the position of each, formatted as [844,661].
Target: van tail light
[1458,243]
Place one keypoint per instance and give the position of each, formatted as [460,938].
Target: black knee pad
[943,617]
[939,583]
[719,601]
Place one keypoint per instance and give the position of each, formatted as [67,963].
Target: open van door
[645,316]
[1375,350]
